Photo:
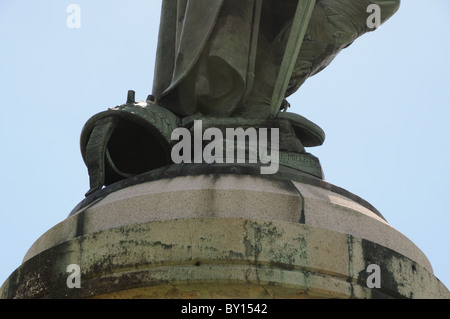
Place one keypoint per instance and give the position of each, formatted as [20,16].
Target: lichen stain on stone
[232,255]
[268,237]
[271,232]
[301,249]
[253,239]
[284,265]
[164,246]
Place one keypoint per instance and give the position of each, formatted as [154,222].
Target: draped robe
[212,60]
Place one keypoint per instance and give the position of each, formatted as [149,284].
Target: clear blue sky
[384,104]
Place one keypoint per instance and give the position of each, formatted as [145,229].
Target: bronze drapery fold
[204,56]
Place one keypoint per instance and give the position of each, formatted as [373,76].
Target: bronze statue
[230,63]
[224,57]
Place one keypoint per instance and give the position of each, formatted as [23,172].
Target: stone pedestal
[217,232]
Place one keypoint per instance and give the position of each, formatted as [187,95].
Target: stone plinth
[224,235]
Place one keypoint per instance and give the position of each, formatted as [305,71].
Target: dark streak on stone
[384,258]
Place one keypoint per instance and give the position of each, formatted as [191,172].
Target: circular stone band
[220,258]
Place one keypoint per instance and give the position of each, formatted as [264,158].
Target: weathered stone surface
[189,237]
[231,196]
[218,258]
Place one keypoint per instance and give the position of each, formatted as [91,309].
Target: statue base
[137,137]
[223,232]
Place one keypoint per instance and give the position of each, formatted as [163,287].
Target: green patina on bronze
[230,64]
[207,50]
